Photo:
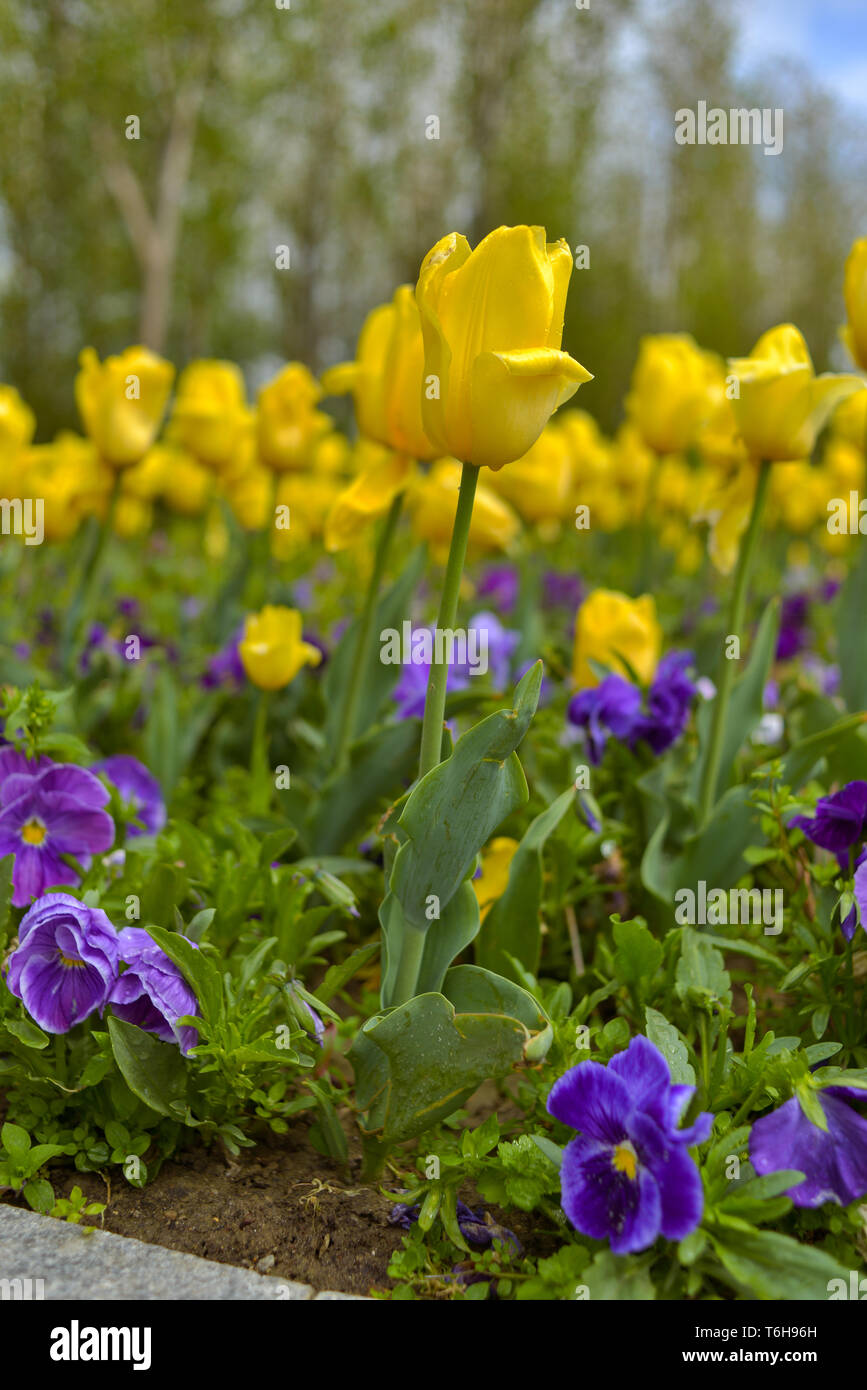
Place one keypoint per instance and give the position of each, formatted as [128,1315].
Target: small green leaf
[665,1036]
[26,1032]
[153,1070]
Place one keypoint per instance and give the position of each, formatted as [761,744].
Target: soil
[282,1209]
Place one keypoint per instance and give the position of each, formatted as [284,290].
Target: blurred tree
[357,136]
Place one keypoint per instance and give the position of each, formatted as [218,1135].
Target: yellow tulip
[673,488]
[718,442]
[494,877]
[782,405]
[617,631]
[309,499]
[633,464]
[844,464]
[272,650]
[383,474]
[288,424]
[249,494]
[492,321]
[386,378]
[690,555]
[855,295]
[122,401]
[210,411]
[187,485]
[849,420]
[17,422]
[727,508]
[798,495]
[674,387]
[589,450]
[45,473]
[331,455]
[433,501]
[216,537]
[147,478]
[132,516]
[539,485]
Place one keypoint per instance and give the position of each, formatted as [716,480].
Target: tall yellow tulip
[210,411]
[17,422]
[382,476]
[386,377]
[781,404]
[492,321]
[673,391]
[122,401]
[855,295]
[288,424]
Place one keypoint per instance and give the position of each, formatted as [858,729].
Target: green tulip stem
[737,609]
[411,952]
[260,772]
[361,653]
[435,699]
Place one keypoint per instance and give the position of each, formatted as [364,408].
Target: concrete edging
[41,1257]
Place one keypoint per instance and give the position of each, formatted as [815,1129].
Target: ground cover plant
[472,805]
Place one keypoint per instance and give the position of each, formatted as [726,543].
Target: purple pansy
[48,809]
[225,668]
[500,644]
[65,963]
[409,693]
[793,626]
[478,1227]
[139,789]
[500,584]
[668,702]
[839,822]
[611,707]
[858,912]
[562,590]
[152,992]
[615,707]
[628,1176]
[833,1160]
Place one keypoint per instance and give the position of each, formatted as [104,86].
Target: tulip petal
[340,379]
[513,396]
[368,496]
[560,259]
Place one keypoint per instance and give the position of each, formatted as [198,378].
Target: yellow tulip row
[468,366]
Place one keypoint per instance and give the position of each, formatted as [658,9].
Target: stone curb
[56,1260]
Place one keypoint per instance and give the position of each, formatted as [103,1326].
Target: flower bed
[423,870]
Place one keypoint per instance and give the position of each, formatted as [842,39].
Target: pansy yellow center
[625,1160]
[70,962]
[33,832]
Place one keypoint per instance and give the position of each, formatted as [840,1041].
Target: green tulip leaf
[455,809]
[511,928]
[418,1063]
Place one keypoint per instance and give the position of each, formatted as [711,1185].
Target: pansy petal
[591,1099]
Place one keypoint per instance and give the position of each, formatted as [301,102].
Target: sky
[829,36]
